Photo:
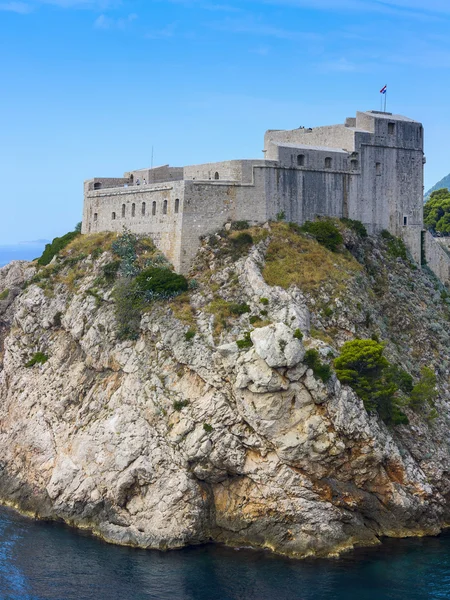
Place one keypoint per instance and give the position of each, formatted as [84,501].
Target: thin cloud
[104,22]
[164,33]
[17,7]
[341,65]
[252,27]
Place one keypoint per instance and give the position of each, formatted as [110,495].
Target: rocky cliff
[209,425]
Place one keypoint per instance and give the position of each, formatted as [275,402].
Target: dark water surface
[45,561]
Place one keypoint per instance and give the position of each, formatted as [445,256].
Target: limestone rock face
[171,440]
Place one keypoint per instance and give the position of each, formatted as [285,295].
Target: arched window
[301,160]
[113,216]
[177,205]
[97,185]
[131,179]
[95,217]
[165,207]
[153,208]
[133,210]
[143,209]
[354,165]
[328,163]
[216,175]
[123,211]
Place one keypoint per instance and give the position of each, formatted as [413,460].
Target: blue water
[25,251]
[46,561]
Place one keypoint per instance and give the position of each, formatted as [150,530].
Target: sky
[90,87]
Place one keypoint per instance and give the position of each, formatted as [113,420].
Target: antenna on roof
[152,158]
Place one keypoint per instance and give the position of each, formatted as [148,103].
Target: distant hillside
[443,183]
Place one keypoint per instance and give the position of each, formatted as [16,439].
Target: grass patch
[4,294]
[189,335]
[38,359]
[182,309]
[294,259]
[90,243]
[180,404]
[246,342]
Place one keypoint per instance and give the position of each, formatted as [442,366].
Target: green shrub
[396,247]
[363,367]
[295,227]
[239,309]
[401,378]
[157,282]
[110,270]
[298,334]
[241,241]
[128,304]
[246,342]
[125,247]
[189,335]
[254,319]
[38,359]
[57,319]
[281,215]
[264,301]
[325,232]
[357,226]
[239,225]
[328,311]
[4,294]
[180,404]
[424,392]
[58,244]
[207,427]
[321,371]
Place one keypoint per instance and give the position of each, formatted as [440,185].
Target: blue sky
[89,86]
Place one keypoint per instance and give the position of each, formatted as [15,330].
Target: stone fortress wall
[370,169]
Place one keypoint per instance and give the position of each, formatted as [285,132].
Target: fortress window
[328,163]
[97,185]
[143,209]
[378,168]
[95,217]
[113,216]
[177,205]
[123,211]
[131,179]
[405,220]
[354,165]
[216,175]
[165,207]
[153,208]
[301,160]
[391,128]
[133,210]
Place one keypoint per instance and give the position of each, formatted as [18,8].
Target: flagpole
[385,99]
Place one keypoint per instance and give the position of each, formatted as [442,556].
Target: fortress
[369,169]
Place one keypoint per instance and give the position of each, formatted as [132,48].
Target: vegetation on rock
[38,359]
[321,370]
[325,232]
[436,212]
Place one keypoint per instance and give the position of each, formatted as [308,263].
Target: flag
[383,90]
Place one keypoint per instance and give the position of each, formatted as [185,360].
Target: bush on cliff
[363,367]
[58,244]
[436,212]
[325,232]
[157,282]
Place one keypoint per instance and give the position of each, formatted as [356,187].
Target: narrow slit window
[177,205]
[95,217]
[165,207]
[354,165]
[216,175]
[143,209]
[378,168]
[405,220]
[391,128]
[301,160]
[133,210]
[123,211]
[113,216]
[154,208]
[328,163]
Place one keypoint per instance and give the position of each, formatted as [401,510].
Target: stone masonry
[369,169]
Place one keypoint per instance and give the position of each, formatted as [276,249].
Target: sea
[21,251]
[49,561]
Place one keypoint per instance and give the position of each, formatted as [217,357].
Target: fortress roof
[389,116]
[308,147]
